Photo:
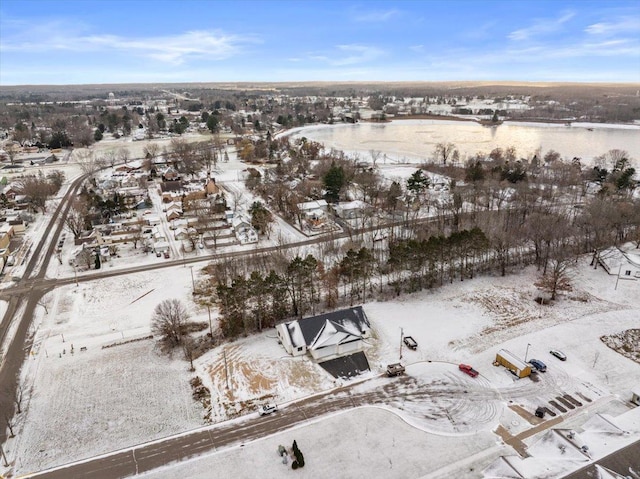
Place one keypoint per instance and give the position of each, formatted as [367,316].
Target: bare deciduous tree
[189,347]
[86,257]
[151,150]
[37,189]
[557,278]
[87,161]
[123,155]
[445,151]
[76,217]
[168,320]
[10,424]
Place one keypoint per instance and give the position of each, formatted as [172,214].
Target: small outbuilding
[513,363]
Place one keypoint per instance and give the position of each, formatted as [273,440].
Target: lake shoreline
[482,122]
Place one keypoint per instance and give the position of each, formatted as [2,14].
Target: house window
[627,273]
[300,348]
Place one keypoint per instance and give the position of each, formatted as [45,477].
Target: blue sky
[116,41]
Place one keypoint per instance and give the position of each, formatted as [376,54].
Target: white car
[558,354]
[267,409]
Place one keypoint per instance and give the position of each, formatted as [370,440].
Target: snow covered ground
[131,393]
[121,390]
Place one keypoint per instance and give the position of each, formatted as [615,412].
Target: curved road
[16,349]
[149,456]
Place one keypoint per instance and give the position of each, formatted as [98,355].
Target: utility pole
[210,328]
[618,278]
[5,463]
[401,336]
[226,369]
[526,353]
[193,283]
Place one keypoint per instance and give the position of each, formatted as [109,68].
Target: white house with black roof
[326,336]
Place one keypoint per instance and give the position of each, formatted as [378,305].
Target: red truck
[465,368]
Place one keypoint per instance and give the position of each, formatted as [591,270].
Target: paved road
[16,347]
[454,400]
[147,457]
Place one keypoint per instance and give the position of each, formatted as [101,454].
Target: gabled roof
[343,325]
[312,205]
[333,334]
[613,258]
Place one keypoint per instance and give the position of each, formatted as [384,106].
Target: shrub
[299,462]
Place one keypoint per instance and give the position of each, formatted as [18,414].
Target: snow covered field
[98,400]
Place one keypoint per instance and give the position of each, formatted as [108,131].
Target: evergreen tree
[334,181]
[417,183]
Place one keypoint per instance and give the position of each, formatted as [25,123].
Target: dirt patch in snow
[626,343]
[514,312]
[256,377]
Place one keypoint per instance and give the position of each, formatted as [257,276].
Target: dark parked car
[395,369]
[465,368]
[410,342]
[540,412]
[539,365]
[558,354]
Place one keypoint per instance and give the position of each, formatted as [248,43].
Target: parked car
[166,255]
[540,412]
[395,369]
[266,409]
[410,342]
[465,368]
[539,365]
[558,354]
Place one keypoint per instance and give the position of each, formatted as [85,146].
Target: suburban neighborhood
[237,253]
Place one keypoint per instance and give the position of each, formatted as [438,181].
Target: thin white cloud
[541,27]
[417,48]
[376,16]
[174,49]
[357,54]
[625,25]
[351,54]
[480,32]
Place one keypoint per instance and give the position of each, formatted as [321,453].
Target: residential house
[130,167]
[326,336]
[17,221]
[7,232]
[616,261]
[352,209]
[131,196]
[181,233]
[170,174]
[314,212]
[160,247]
[173,214]
[152,219]
[245,233]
